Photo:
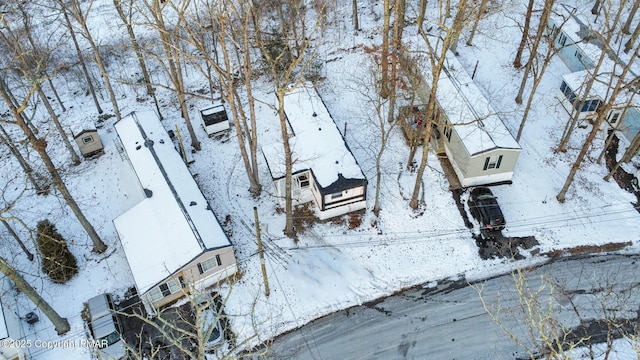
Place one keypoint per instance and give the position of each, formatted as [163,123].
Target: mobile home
[480,148]
[624,116]
[325,171]
[172,240]
[10,326]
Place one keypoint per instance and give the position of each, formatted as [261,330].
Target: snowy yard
[332,267]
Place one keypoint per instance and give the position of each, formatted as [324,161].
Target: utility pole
[261,254]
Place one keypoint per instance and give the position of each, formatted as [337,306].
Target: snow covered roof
[4,332]
[475,120]
[174,224]
[577,32]
[577,82]
[317,144]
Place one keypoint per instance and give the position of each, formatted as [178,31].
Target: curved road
[450,322]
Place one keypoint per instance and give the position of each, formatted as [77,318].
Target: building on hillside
[172,240]
[624,116]
[480,148]
[577,45]
[325,171]
[10,326]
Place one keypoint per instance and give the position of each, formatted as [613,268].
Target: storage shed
[88,141]
[324,171]
[172,239]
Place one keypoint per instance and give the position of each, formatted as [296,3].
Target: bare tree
[83,63]
[40,145]
[538,68]
[618,84]
[550,317]
[169,35]
[231,22]
[626,29]
[437,55]
[24,164]
[126,18]
[544,18]
[517,62]
[606,38]
[481,11]
[31,64]
[287,55]
[61,324]
[80,15]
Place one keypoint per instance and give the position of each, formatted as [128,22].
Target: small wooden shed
[89,143]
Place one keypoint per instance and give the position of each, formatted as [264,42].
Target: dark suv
[485,208]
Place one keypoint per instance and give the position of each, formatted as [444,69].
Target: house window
[447,132]
[303,180]
[170,287]
[336,195]
[589,105]
[87,139]
[613,117]
[492,162]
[155,294]
[568,93]
[209,264]
[562,39]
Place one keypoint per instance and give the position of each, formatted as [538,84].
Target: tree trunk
[61,324]
[17,238]
[40,145]
[288,207]
[384,52]
[77,14]
[517,62]
[422,10]
[481,9]
[56,121]
[632,40]
[601,115]
[83,63]
[356,23]
[24,164]
[175,72]
[437,60]
[626,29]
[136,48]
[534,48]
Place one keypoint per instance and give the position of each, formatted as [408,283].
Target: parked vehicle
[211,326]
[214,119]
[105,327]
[484,207]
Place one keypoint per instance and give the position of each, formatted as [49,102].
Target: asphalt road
[450,321]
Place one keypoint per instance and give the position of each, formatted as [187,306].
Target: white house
[10,325]
[624,116]
[478,145]
[325,171]
[171,238]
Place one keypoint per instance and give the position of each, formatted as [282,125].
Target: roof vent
[314,114]
[148,193]
[193,203]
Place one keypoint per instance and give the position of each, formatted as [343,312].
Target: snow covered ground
[332,267]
